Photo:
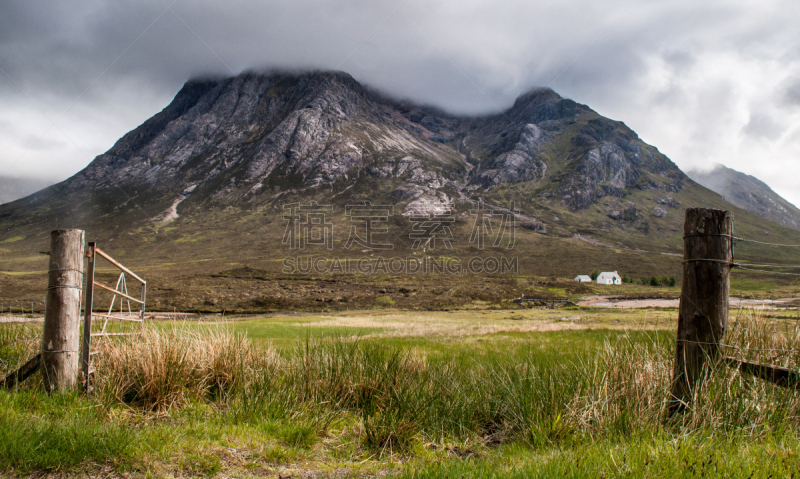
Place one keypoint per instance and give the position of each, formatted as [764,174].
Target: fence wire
[739,266]
[745,240]
[748,266]
[21,308]
[790,336]
[755,335]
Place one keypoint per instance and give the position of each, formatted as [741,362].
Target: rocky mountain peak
[542,104]
[260,137]
[536,95]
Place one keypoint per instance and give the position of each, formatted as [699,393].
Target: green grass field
[571,392]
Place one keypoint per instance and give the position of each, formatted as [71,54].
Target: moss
[13,239]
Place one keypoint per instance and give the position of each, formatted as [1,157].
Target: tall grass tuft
[164,368]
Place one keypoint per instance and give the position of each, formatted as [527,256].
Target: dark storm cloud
[686,75]
[417,50]
[792,97]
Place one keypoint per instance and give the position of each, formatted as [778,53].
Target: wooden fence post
[703,310]
[62,310]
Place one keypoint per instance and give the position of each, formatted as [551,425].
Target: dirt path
[605,302]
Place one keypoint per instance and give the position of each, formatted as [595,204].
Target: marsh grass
[400,396]
[646,455]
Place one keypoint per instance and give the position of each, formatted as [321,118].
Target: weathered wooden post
[62,310]
[703,309]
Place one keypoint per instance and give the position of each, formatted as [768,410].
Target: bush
[659,281]
[384,301]
[630,214]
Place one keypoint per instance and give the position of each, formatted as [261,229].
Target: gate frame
[92,251]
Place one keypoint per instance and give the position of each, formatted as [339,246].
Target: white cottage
[583,278]
[609,277]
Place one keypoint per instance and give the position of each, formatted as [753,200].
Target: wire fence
[18,341]
[757,336]
[20,309]
[757,267]
[745,240]
[739,266]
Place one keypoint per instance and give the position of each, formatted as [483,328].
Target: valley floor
[567,392]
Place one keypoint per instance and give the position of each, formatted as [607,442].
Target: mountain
[214,182]
[15,188]
[749,193]
[247,141]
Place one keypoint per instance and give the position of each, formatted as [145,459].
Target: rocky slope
[749,193]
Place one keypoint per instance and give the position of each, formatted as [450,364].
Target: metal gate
[103,327]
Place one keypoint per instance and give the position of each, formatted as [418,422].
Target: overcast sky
[704,81]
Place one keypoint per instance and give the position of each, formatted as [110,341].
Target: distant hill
[749,193]
[14,188]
